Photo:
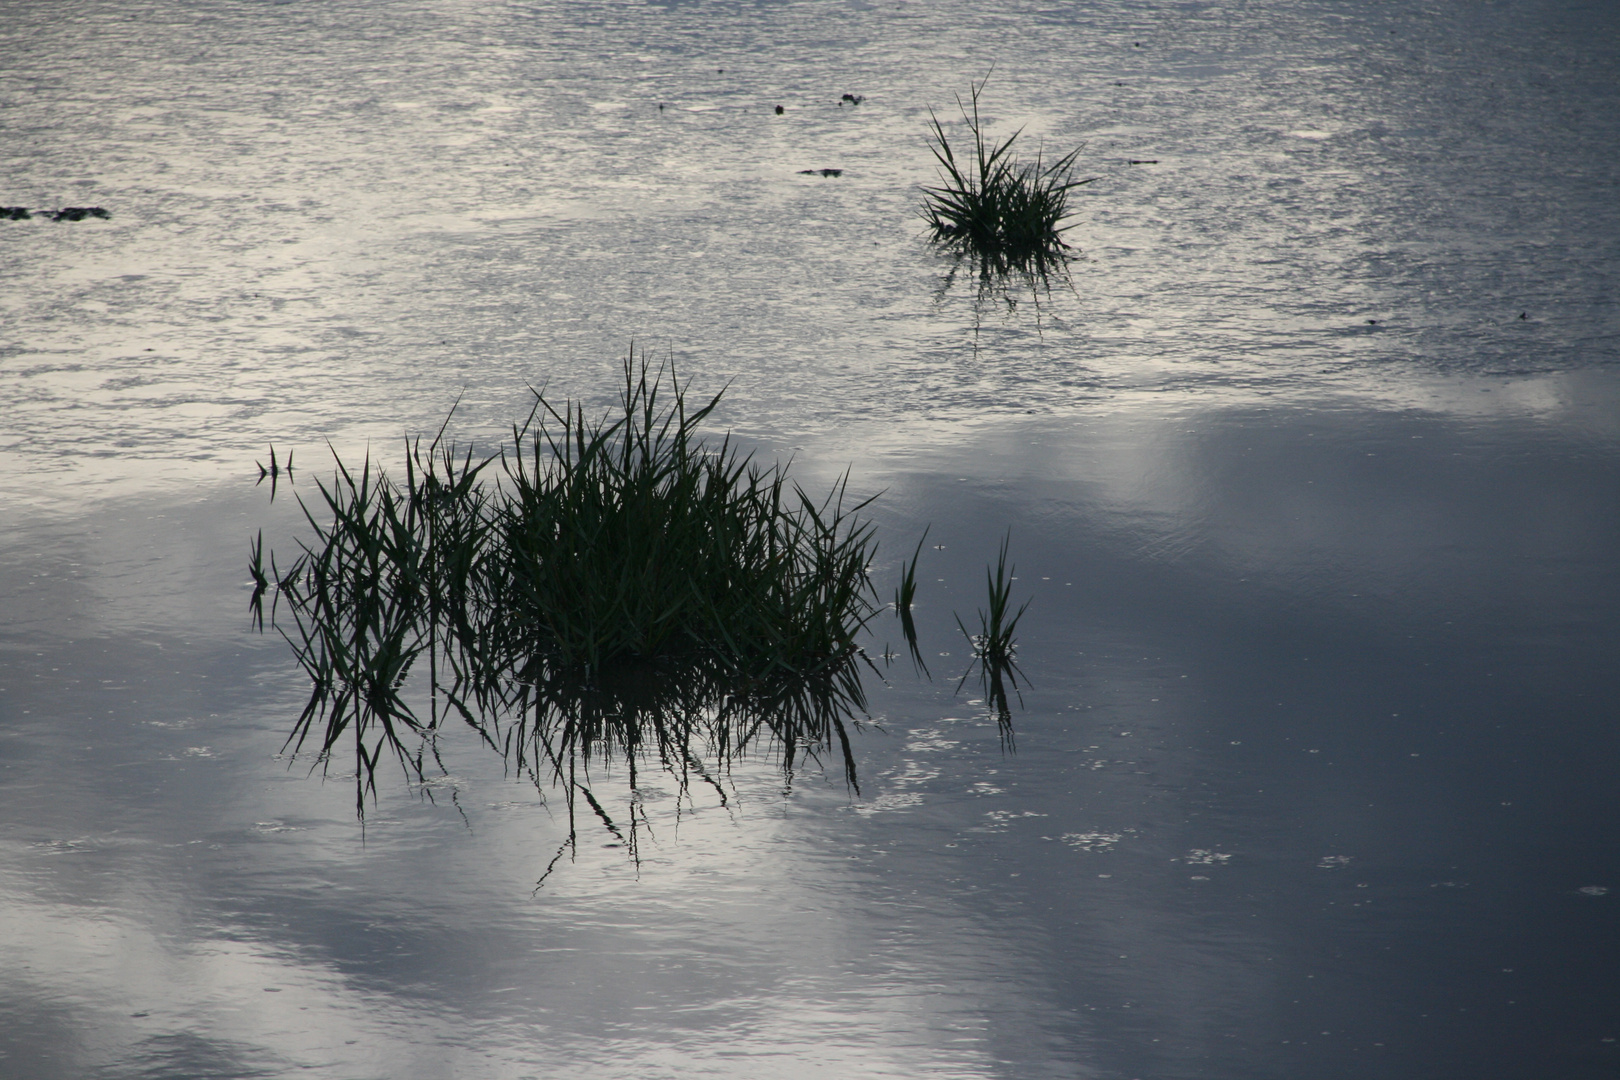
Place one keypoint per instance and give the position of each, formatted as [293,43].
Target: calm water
[1315,777]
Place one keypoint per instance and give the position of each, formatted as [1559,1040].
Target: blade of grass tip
[1001,643]
[903,597]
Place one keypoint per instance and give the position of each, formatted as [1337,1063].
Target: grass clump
[1004,214]
[627,537]
[598,596]
[544,584]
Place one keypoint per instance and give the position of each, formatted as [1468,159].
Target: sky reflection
[1281,748]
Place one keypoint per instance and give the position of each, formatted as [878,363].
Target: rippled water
[1314,776]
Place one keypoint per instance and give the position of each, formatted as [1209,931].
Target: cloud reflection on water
[1275,647]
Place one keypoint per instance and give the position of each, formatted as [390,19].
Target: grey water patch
[1093,841]
[187,1055]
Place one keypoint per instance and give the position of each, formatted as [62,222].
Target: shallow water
[1313,775]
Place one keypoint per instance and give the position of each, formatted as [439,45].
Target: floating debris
[1142,161]
[67,213]
[779,110]
[853,99]
[823,172]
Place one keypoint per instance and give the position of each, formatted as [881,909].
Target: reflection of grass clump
[1006,215]
[689,721]
[596,547]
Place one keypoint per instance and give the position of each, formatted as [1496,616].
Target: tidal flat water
[1312,473]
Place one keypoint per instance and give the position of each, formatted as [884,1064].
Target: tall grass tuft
[627,537]
[599,593]
[1008,216]
[544,583]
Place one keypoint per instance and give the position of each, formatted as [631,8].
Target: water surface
[1314,772]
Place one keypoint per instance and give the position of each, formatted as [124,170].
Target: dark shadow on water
[197,1057]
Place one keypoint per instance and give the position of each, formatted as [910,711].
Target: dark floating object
[1142,161]
[823,172]
[67,213]
[779,110]
[1524,315]
[853,99]
[1372,322]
